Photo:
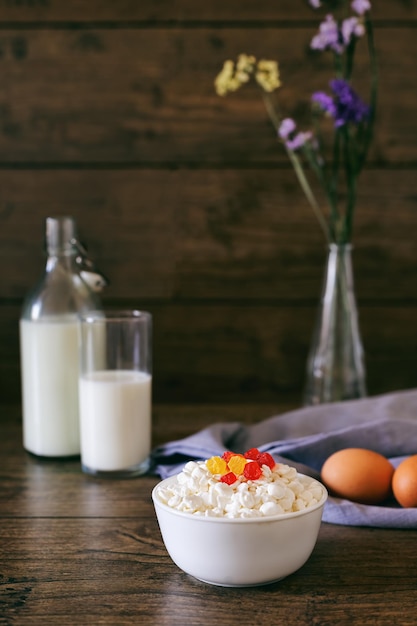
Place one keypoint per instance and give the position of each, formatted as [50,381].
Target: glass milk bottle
[49,346]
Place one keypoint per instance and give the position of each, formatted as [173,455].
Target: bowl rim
[236,520]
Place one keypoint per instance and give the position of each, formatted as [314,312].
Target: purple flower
[349,107]
[325,102]
[331,36]
[345,107]
[361,6]
[328,36]
[298,140]
[292,139]
[351,27]
[287,127]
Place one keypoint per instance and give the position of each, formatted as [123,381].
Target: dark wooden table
[80,550]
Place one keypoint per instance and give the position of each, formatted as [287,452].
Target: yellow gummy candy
[237,464]
[216,465]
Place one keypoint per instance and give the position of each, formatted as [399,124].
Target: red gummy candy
[252,454]
[227,455]
[266,459]
[252,471]
[228,478]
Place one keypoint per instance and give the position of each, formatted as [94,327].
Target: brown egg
[358,474]
[404,482]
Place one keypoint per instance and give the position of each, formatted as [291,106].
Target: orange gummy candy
[237,464]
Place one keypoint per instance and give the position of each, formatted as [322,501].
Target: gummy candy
[233,464]
[265,458]
[216,465]
[228,478]
[252,470]
[237,464]
[228,455]
[252,454]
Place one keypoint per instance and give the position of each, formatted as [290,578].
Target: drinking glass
[115,393]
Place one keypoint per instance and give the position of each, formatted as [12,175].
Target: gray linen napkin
[304,438]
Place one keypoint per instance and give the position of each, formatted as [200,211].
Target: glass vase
[335,365]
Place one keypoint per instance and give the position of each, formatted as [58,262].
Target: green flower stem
[350,55]
[334,184]
[351,163]
[298,168]
[373,98]
[307,191]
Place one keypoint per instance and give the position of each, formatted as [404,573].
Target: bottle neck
[61,243]
[62,258]
[61,292]
[61,235]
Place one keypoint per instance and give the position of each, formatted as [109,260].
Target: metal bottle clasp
[95,279]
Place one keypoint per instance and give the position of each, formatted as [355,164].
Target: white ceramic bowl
[238,552]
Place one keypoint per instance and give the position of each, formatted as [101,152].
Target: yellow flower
[245,65]
[233,76]
[225,81]
[267,75]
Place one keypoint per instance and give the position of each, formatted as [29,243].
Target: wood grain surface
[186,201]
[79,550]
[138,96]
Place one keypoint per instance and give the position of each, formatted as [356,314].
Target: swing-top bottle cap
[62,239]
[61,232]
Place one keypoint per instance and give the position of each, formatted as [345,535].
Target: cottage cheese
[280,490]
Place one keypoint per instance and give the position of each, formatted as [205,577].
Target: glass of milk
[115,393]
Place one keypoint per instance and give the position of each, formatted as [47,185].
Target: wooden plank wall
[108,113]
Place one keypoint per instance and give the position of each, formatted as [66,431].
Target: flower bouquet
[335,157]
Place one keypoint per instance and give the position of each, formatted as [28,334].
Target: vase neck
[340,248]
